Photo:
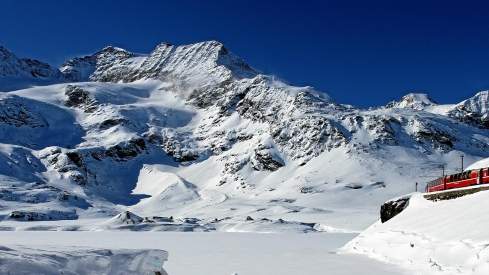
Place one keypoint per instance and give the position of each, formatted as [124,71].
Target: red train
[466,178]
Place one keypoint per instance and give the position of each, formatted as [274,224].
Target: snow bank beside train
[443,237]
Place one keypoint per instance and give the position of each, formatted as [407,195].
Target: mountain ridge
[231,141]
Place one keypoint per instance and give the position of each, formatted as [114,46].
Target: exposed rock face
[474,110]
[206,60]
[179,146]
[98,65]
[265,157]
[126,151]
[391,208]
[429,132]
[127,217]
[12,66]
[381,128]
[79,98]
[42,215]
[14,111]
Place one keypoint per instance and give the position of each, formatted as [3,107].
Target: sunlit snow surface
[223,253]
[443,237]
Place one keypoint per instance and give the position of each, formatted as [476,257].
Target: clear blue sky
[360,52]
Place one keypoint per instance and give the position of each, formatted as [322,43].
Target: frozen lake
[222,253]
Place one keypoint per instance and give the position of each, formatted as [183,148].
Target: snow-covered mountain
[193,131]
[16,73]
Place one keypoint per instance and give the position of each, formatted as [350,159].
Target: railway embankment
[393,207]
[437,233]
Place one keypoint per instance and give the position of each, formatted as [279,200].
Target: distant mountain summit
[17,72]
[416,101]
[82,68]
[208,59]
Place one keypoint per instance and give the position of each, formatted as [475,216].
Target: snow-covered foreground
[222,253]
[443,237]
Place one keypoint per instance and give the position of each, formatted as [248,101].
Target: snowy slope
[192,131]
[443,237]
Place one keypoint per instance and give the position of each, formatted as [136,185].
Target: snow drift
[442,237]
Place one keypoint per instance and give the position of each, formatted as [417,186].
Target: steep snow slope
[194,132]
[443,237]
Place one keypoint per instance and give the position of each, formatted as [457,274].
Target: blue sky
[360,52]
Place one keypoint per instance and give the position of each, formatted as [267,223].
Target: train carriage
[459,180]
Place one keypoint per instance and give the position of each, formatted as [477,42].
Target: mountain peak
[5,53]
[114,51]
[17,73]
[416,101]
[479,103]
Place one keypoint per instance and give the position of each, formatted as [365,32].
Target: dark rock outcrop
[47,215]
[80,98]
[391,208]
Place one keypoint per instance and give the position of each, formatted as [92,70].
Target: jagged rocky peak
[12,66]
[416,101]
[5,53]
[479,103]
[207,61]
[474,110]
[84,68]
[9,63]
